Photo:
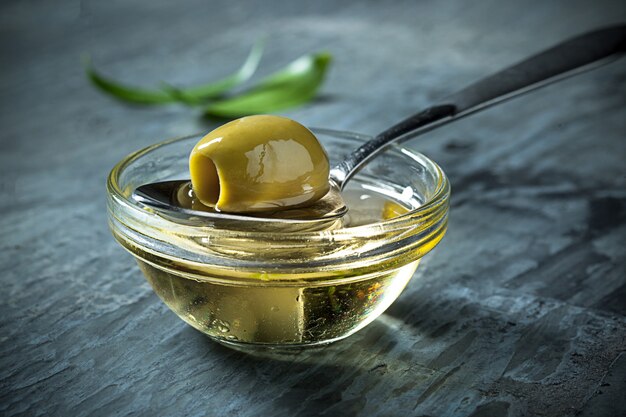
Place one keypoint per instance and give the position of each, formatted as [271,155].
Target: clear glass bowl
[252,289]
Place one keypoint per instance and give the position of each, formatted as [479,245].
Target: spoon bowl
[174,199]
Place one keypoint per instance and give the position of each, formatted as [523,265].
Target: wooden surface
[520,310]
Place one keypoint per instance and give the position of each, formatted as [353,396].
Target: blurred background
[531,272]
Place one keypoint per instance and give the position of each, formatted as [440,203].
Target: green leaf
[125,92]
[169,94]
[292,86]
[196,95]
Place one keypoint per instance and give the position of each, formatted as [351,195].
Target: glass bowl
[256,289]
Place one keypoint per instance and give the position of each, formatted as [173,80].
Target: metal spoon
[564,60]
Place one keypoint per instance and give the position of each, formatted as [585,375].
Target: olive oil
[294,310]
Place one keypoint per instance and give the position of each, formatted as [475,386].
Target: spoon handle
[564,60]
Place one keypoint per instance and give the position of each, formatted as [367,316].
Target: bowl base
[265,349]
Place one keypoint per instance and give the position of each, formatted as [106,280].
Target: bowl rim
[439,197]
[346,252]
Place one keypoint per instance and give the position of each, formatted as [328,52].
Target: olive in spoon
[564,60]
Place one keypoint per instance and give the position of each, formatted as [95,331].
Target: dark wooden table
[519,311]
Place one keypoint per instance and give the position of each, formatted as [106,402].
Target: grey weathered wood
[520,311]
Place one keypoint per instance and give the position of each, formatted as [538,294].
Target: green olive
[259,163]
